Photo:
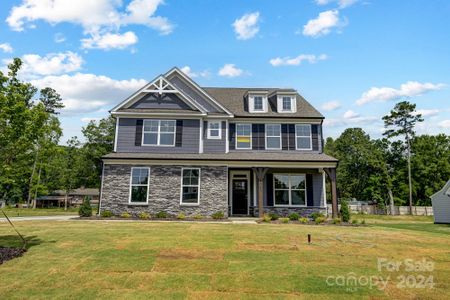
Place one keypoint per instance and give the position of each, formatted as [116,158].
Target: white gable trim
[159,85]
[197,87]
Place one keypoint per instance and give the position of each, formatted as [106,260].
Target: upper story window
[139,185]
[257,102]
[303,138]
[214,130]
[273,136]
[286,103]
[243,136]
[158,133]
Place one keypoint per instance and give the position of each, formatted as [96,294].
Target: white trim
[208,130]
[117,134]
[131,186]
[236,140]
[266,136]
[227,142]
[160,83]
[198,187]
[242,164]
[289,189]
[280,103]
[158,141]
[310,137]
[157,115]
[230,189]
[200,140]
[189,80]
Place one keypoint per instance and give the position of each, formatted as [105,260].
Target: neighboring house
[441,205]
[182,148]
[75,198]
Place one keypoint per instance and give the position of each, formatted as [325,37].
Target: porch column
[331,172]
[260,174]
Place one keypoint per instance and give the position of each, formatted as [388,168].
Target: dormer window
[257,102]
[286,103]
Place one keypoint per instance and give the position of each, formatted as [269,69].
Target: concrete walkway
[39,218]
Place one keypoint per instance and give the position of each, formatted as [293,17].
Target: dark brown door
[240,195]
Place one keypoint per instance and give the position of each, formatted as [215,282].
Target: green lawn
[124,259]
[26,212]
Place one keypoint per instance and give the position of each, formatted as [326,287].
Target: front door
[240,196]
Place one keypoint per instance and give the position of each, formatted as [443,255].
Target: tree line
[32,162]
[400,168]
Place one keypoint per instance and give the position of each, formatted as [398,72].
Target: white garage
[441,205]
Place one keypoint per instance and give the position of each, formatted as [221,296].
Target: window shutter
[179,134]
[232,136]
[284,137]
[258,137]
[205,129]
[291,129]
[309,190]
[138,136]
[269,189]
[315,137]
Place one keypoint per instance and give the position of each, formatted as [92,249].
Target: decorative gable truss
[159,86]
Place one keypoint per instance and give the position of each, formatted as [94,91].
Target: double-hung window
[243,136]
[289,189]
[258,103]
[158,133]
[273,136]
[190,186]
[287,103]
[303,140]
[214,130]
[139,185]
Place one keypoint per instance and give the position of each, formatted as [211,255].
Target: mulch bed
[10,253]
[154,219]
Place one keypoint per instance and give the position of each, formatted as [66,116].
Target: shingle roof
[231,156]
[233,100]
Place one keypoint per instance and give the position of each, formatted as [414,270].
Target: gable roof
[445,190]
[234,100]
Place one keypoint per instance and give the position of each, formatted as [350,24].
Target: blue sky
[351,59]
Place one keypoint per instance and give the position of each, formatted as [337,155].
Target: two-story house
[182,148]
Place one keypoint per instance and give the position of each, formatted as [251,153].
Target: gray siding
[213,145]
[165,101]
[441,205]
[185,88]
[127,132]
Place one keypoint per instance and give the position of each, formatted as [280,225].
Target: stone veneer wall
[285,211]
[164,191]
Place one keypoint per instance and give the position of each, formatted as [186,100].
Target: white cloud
[51,64]
[98,17]
[59,38]
[323,24]
[246,26]
[188,71]
[341,3]
[230,70]
[351,118]
[445,124]
[408,89]
[5,47]
[427,112]
[89,92]
[288,61]
[330,106]
[109,41]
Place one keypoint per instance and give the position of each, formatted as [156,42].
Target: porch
[254,191]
